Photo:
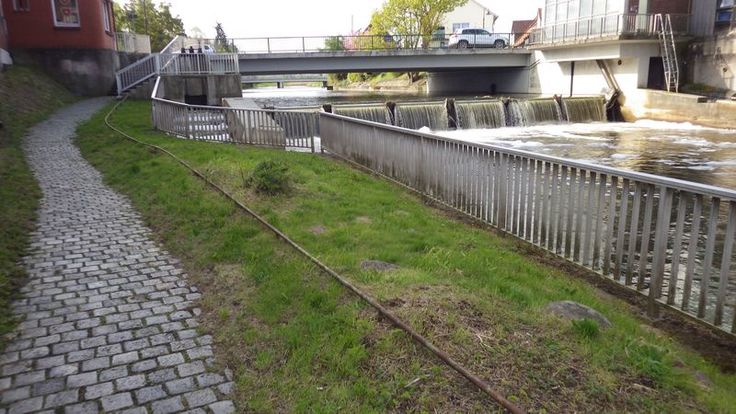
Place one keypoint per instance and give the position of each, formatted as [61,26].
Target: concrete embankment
[678,107]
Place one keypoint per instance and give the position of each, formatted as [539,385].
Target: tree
[143,16]
[333,43]
[221,42]
[412,21]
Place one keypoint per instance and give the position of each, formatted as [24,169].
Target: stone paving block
[144,395]
[200,397]
[116,401]
[93,392]
[107,317]
[167,406]
[89,407]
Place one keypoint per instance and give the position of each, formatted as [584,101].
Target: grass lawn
[26,98]
[299,342]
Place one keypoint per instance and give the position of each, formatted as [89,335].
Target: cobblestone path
[108,319]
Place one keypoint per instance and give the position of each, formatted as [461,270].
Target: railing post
[157,63]
[304,45]
[268,44]
[117,80]
[661,234]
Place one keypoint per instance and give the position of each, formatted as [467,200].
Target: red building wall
[35,29]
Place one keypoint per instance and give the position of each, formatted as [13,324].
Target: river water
[677,150]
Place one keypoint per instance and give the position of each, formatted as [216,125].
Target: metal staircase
[663,23]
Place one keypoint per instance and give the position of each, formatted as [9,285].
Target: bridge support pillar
[202,90]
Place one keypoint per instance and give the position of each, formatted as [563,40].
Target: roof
[522,26]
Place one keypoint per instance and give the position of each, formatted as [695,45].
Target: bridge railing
[269,128]
[598,27]
[669,240]
[309,44]
[198,63]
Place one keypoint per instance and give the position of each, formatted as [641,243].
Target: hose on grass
[385,313]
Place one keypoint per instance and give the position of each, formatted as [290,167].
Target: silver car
[466,38]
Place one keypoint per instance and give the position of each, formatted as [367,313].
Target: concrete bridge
[477,71]
[402,60]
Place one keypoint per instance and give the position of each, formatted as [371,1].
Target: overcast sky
[262,18]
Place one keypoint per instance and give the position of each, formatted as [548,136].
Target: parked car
[466,38]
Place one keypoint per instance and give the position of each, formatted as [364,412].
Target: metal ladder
[663,24]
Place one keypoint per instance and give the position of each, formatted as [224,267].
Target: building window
[724,12]
[106,13]
[22,5]
[66,13]
[458,26]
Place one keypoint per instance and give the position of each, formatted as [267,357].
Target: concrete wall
[666,106]
[714,62]
[85,72]
[488,82]
[214,87]
[629,63]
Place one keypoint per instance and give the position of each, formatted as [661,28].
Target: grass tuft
[586,328]
[270,177]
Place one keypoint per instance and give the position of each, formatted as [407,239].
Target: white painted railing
[176,64]
[268,128]
[198,63]
[670,240]
[136,73]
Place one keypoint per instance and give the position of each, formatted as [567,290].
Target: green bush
[270,177]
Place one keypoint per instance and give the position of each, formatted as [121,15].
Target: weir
[480,114]
[415,116]
[375,113]
[585,109]
[533,112]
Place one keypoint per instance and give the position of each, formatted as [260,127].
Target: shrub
[270,177]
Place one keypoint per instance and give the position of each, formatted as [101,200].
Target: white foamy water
[679,150]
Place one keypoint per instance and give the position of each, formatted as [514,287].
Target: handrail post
[304,45]
[268,44]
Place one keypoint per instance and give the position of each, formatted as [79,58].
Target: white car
[466,38]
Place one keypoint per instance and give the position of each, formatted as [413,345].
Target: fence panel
[670,240]
[280,129]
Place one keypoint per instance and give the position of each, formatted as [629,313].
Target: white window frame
[57,23]
[458,26]
[18,5]
[106,11]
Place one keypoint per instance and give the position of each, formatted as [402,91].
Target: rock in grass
[317,230]
[377,265]
[575,311]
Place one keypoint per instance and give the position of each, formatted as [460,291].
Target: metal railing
[268,128]
[670,240]
[176,64]
[608,26]
[348,43]
[198,63]
[132,42]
